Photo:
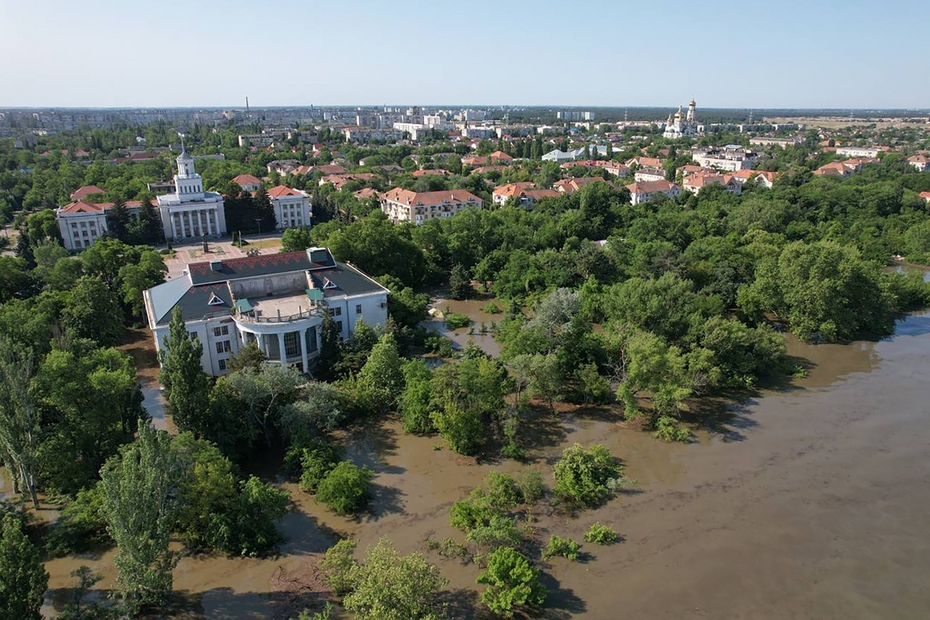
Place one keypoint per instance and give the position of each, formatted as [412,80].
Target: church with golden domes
[681,125]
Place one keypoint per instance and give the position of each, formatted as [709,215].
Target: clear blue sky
[787,53]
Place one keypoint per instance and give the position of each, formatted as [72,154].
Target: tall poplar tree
[22,577]
[186,385]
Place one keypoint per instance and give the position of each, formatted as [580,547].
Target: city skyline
[109,54]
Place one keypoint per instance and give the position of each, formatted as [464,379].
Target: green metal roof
[314,294]
[243,305]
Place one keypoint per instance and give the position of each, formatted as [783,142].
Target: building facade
[291,207]
[641,192]
[190,212]
[277,301]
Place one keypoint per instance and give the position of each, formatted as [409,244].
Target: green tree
[345,489]
[92,312]
[414,401]
[22,577]
[512,583]
[460,283]
[141,501]
[20,418]
[389,586]
[249,356]
[138,277]
[340,567]
[583,475]
[95,402]
[264,210]
[186,386]
[296,239]
[118,219]
[381,379]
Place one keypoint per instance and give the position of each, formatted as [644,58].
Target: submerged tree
[20,419]
[22,577]
[186,385]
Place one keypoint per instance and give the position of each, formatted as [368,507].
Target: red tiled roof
[87,190]
[647,187]
[282,190]
[246,179]
[407,197]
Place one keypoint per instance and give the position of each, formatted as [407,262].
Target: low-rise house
[274,300]
[919,162]
[613,167]
[574,184]
[403,205]
[432,172]
[925,196]
[291,207]
[366,193]
[641,192]
[283,167]
[247,182]
[761,177]
[339,181]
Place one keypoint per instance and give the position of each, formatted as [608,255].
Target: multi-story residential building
[649,174]
[858,151]
[291,207]
[524,192]
[274,300]
[729,158]
[367,134]
[403,205]
[191,212]
[641,192]
[780,142]
[696,182]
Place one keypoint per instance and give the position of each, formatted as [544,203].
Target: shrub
[439,345]
[344,490]
[668,429]
[339,566]
[456,320]
[502,491]
[81,525]
[531,485]
[467,514]
[563,547]
[601,535]
[492,308]
[498,531]
[317,461]
[583,475]
[512,582]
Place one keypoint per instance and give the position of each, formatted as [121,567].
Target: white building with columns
[190,212]
[275,300]
[291,207]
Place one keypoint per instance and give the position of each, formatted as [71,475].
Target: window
[222,330]
[358,308]
[222,365]
[192,335]
[337,311]
[292,344]
[339,326]
[223,346]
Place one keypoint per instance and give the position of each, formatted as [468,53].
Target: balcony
[284,308]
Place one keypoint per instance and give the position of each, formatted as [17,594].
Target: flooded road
[810,502]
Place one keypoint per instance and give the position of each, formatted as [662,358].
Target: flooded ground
[809,502]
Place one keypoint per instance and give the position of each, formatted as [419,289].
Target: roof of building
[407,197]
[436,171]
[647,187]
[246,179]
[925,196]
[365,192]
[80,206]
[283,190]
[513,189]
[87,190]
[206,282]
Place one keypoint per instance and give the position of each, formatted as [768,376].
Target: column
[183,229]
[174,228]
[303,350]
[203,230]
[206,216]
[281,349]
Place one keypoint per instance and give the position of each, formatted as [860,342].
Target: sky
[846,54]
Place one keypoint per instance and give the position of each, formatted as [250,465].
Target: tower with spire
[190,212]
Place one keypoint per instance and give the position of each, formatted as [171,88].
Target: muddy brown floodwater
[809,502]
